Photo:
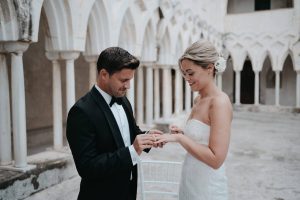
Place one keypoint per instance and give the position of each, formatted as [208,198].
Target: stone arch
[288,89]
[228,79]
[8,31]
[127,36]
[57,17]
[98,37]
[267,83]
[148,49]
[176,73]
[247,83]
[38,87]
[67,24]
[164,48]
[144,88]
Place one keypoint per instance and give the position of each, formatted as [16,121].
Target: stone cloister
[49,50]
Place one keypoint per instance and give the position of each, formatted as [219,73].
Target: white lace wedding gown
[198,180]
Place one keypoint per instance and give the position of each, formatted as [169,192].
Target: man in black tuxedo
[102,133]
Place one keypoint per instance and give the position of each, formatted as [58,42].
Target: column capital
[65,55]
[90,58]
[69,55]
[52,55]
[18,47]
[175,67]
[164,66]
[147,63]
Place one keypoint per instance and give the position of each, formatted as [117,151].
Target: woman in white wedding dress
[206,135]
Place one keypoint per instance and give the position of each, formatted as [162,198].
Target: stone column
[18,104]
[70,77]
[256,86]
[140,95]
[130,95]
[5,124]
[178,91]
[56,101]
[298,90]
[156,93]
[188,97]
[167,91]
[237,87]
[149,94]
[92,60]
[277,87]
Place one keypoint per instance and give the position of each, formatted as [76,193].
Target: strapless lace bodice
[197,130]
[198,180]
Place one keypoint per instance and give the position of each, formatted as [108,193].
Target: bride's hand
[165,138]
[175,129]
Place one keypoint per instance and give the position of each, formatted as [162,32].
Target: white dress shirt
[122,121]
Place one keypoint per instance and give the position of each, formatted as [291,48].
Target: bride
[206,135]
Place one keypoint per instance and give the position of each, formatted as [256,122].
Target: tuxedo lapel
[100,101]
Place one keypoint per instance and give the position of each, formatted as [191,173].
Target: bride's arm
[214,154]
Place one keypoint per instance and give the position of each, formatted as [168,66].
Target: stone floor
[263,161]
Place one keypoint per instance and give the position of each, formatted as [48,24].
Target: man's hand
[143,141]
[156,133]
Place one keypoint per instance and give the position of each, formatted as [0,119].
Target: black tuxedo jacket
[101,158]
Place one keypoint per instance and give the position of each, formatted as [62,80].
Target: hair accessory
[220,64]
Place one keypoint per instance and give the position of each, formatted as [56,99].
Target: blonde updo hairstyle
[202,53]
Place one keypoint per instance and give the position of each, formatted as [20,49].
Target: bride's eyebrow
[186,71]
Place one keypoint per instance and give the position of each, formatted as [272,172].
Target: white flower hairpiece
[220,64]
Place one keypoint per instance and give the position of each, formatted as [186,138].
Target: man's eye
[191,74]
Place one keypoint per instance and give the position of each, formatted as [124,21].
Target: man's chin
[121,94]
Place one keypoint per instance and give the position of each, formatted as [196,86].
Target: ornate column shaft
[70,77]
[277,87]
[156,94]
[167,92]
[56,101]
[140,95]
[92,60]
[149,94]
[130,95]
[237,87]
[188,97]
[256,86]
[178,92]
[5,124]
[18,103]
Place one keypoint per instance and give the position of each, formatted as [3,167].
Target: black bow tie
[115,100]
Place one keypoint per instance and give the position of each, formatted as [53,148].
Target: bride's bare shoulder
[221,100]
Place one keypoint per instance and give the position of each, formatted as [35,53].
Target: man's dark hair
[115,59]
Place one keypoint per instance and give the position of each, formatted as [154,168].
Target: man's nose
[127,85]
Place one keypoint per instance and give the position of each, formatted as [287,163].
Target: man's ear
[103,74]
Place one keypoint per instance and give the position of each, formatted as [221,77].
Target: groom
[102,133]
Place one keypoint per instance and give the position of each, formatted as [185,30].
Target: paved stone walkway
[263,162]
